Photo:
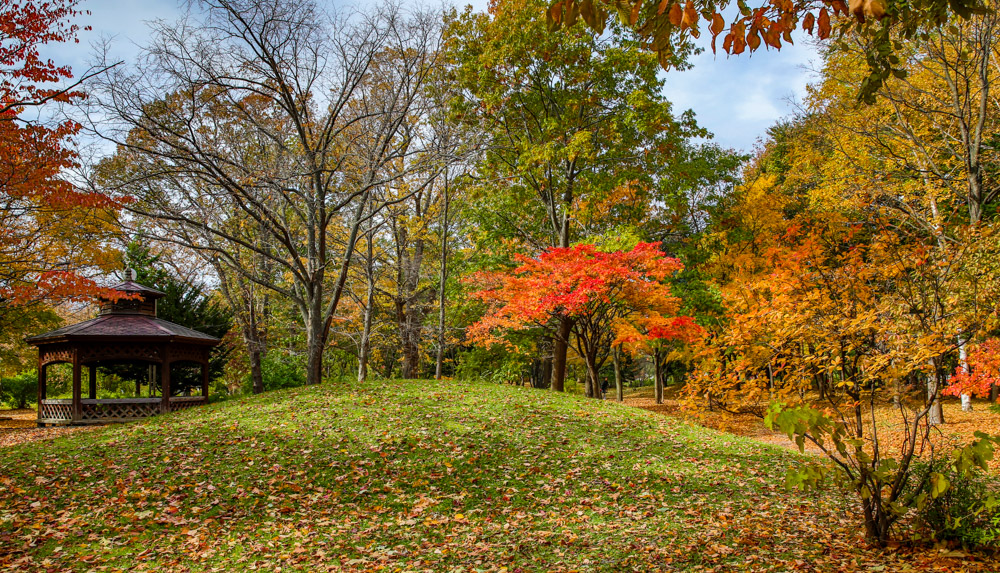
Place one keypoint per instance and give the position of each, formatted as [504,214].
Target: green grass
[415,476]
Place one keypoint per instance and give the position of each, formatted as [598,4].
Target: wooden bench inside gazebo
[125,331]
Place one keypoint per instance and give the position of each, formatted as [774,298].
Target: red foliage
[26,25]
[47,226]
[622,292]
[983,371]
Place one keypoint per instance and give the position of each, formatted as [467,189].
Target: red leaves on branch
[625,289]
[982,373]
[26,25]
[48,226]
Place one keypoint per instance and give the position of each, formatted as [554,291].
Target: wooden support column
[204,381]
[41,384]
[92,378]
[165,383]
[77,387]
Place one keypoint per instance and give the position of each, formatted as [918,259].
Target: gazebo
[125,331]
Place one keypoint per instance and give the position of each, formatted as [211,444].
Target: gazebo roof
[134,287]
[127,320]
[124,326]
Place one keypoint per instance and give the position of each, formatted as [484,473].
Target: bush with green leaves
[967,512]
[889,488]
[281,371]
[496,364]
[19,391]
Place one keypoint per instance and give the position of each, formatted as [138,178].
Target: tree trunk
[658,376]
[593,384]
[366,333]
[439,363]
[619,391]
[541,367]
[936,414]
[560,347]
[963,361]
[256,372]
[314,356]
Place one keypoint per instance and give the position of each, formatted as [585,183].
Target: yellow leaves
[875,9]
[862,9]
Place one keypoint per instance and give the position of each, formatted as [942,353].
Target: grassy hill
[419,476]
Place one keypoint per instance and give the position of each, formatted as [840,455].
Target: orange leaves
[824,24]
[808,22]
[676,14]
[24,27]
[717,24]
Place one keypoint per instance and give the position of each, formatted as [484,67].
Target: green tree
[579,136]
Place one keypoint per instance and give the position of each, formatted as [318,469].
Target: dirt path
[19,427]
[743,425]
[959,428]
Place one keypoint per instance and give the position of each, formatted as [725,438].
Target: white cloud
[738,97]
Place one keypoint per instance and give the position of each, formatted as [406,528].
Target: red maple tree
[982,373]
[47,228]
[609,297]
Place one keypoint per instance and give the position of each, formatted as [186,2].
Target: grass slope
[417,476]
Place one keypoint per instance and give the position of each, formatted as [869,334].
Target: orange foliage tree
[48,231]
[857,312]
[609,298]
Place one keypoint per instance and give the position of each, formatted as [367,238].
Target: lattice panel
[121,351]
[192,353]
[123,411]
[175,406]
[56,353]
[55,411]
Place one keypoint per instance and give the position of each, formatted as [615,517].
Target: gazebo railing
[111,410]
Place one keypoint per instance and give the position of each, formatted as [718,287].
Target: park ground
[428,476]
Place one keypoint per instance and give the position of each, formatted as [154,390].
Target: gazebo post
[41,384]
[165,384]
[92,378]
[204,381]
[77,387]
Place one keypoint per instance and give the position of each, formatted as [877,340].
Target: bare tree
[263,127]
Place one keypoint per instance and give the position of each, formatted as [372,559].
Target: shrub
[281,371]
[967,513]
[19,391]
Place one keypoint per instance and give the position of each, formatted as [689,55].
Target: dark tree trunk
[439,362]
[560,347]
[593,385]
[256,373]
[658,376]
[619,391]
[366,333]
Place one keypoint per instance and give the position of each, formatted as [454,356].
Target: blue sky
[736,98]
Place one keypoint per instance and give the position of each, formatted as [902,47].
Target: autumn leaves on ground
[423,476]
